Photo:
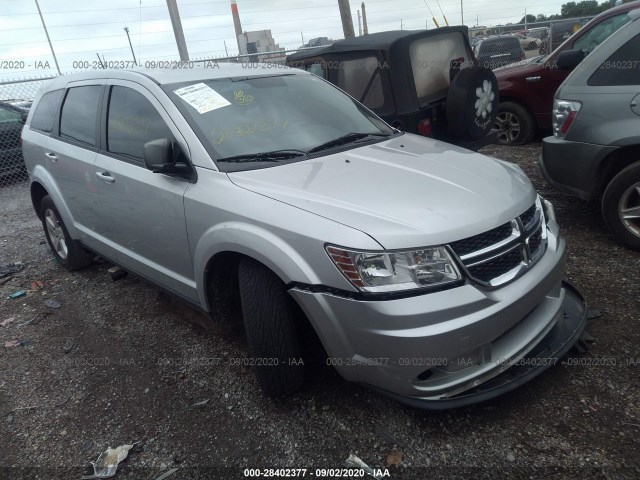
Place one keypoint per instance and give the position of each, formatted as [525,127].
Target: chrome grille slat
[502,254]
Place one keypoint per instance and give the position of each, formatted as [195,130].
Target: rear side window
[431,62]
[45,114]
[79,117]
[621,68]
[7,115]
[361,79]
[132,122]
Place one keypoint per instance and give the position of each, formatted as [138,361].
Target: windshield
[265,121]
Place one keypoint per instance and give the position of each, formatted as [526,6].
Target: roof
[162,76]
[375,41]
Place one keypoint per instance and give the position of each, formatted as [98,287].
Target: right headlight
[380,272]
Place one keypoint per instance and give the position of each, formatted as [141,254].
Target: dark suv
[12,118]
[527,90]
[425,82]
[495,52]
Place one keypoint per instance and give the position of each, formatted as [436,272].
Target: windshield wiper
[348,138]
[273,156]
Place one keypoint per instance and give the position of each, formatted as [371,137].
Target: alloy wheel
[56,234]
[508,126]
[629,209]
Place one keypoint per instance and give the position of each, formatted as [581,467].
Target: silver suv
[426,271]
[595,149]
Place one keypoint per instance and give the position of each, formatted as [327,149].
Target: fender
[255,242]
[44,178]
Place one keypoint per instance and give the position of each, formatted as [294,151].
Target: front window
[598,34]
[289,113]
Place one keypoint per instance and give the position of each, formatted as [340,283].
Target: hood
[405,192]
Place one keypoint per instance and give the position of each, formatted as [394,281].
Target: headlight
[378,272]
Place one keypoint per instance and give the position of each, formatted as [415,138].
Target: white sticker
[202,97]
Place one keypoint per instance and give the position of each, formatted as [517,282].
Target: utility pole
[126,29]
[347,21]
[365,28]
[225,48]
[525,18]
[302,37]
[461,12]
[359,25]
[177,30]
[401,26]
[48,39]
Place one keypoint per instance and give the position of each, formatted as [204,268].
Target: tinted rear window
[621,68]
[79,117]
[45,114]
[500,44]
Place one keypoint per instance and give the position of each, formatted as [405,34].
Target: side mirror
[570,59]
[158,155]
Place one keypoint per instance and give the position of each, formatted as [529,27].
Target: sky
[80,29]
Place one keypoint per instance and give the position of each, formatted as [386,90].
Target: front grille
[500,255]
[528,217]
[485,272]
[483,240]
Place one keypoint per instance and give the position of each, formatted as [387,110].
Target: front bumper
[434,350]
[572,167]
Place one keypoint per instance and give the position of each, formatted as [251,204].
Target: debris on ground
[202,403]
[394,458]
[116,273]
[69,346]
[49,302]
[6,321]
[12,343]
[10,269]
[37,285]
[593,314]
[167,474]
[18,294]
[354,462]
[107,463]
[36,320]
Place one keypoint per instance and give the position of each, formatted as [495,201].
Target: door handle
[533,79]
[105,176]
[51,156]
[634,104]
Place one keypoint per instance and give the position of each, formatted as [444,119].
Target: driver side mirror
[160,157]
[570,59]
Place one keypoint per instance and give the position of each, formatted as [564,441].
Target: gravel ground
[107,368]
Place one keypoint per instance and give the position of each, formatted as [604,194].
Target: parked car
[559,32]
[423,82]
[528,43]
[527,90]
[12,119]
[594,151]
[426,270]
[495,52]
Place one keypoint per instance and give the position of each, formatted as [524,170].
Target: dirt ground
[119,363]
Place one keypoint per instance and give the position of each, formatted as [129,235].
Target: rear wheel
[69,253]
[515,124]
[621,205]
[269,319]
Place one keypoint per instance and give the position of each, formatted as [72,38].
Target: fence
[15,100]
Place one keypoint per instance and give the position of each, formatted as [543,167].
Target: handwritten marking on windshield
[220,135]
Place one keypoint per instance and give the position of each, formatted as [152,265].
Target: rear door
[70,152]
[142,222]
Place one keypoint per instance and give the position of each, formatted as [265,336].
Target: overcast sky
[80,29]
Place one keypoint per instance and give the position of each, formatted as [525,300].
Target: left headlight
[379,272]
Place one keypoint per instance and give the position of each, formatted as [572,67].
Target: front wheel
[621,205]
[515,124]
[69,253]
[269,320]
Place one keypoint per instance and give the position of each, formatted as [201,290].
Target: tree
[530,19]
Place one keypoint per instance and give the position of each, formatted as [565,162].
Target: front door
[142,222]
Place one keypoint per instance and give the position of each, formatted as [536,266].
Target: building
[259,41]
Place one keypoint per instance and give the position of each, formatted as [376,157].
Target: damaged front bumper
[548,352]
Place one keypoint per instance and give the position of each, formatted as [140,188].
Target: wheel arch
[614,163]
[38,192]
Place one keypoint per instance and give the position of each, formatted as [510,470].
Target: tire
[69,253]
[623,194]
[269,319]
[472,103]
[515,125]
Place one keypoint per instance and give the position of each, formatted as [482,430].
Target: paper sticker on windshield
[202,97]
